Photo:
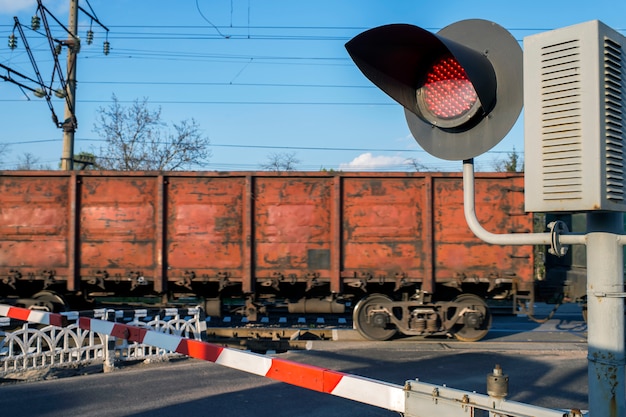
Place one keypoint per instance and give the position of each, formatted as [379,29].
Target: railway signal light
[461,88]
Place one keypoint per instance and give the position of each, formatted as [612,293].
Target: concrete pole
[605,315]
[69,123]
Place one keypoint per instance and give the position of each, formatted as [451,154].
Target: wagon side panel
[460,257]
[117,229]
[386,238]
[292,229]
[206,246]
[34,229]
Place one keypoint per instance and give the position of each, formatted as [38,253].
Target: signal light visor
[447,97]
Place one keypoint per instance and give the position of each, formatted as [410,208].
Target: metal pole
[605,240]
[69,123]
[605,315]
[469,203]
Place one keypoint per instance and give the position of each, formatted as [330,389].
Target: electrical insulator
[57,49]
[89,37]
[107,46]
[35,23]
[12,41]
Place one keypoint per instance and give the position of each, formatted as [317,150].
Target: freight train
[391,248]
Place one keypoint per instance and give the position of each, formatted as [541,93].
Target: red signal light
[447,98]
[461,88]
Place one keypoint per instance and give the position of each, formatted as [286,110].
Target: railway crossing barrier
[414,399]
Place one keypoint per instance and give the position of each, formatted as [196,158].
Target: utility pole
[69,123]
[68,83]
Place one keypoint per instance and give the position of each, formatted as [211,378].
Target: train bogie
[467,317]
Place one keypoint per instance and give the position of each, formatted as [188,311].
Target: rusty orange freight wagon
[393,245]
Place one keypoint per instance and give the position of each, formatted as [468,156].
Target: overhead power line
[234,84]
[247,146]
[236,103]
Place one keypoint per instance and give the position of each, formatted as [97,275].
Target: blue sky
[259,76]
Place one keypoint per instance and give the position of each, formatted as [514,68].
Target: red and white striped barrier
[357,388]
[33,316]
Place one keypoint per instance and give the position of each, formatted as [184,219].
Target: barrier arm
[414,399]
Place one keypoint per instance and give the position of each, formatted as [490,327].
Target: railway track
[274,333]
[266,339]
[277,333]
[281,334]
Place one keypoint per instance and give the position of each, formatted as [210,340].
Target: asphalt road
[546,364]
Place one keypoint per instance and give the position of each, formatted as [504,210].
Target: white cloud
[367,161]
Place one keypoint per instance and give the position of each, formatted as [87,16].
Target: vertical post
[336,253]
[73,231]
[247,238]
[428,235]
[69,121]
[109,346]
[605,315]
[160,248]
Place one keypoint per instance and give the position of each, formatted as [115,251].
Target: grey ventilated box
[575,119]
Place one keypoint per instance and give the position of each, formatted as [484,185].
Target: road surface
[546,364]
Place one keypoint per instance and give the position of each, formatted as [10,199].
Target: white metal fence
[35,347]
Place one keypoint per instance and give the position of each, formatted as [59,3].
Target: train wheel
[49,301]
[474,325]
[370,319]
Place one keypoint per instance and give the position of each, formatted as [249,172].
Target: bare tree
[4,150]
[28,162]
[281,162]
[417,165]
[513,163]
[137,139]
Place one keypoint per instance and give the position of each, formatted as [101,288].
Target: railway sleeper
[261,340]
[467,317]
